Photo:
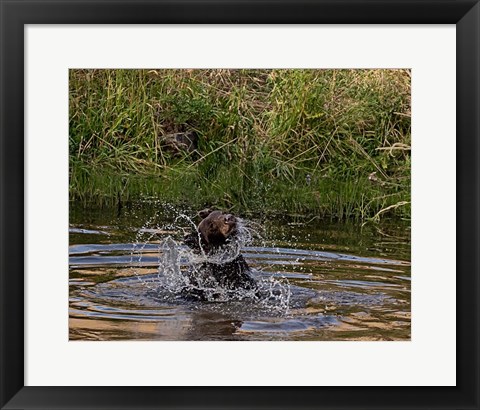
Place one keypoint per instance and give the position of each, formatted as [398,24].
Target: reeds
[327,142]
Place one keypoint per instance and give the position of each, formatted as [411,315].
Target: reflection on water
[327,281]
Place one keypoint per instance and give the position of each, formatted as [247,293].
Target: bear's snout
[229,219]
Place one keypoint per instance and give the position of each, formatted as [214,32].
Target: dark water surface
[327,281]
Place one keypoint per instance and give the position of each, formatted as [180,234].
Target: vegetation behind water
[332,143]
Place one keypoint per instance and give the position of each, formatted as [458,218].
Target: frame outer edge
[468,63]
[468,205]
[12,200]
[3,306]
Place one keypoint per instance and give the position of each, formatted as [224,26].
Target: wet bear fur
[216,231]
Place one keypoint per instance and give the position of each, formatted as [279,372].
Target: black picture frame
[16,14]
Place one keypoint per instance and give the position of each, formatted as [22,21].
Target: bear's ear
[204,213]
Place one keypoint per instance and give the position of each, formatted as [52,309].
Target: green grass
[270,141]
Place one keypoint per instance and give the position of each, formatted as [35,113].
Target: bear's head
[216,227]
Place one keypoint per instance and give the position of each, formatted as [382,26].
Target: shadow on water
[320,280]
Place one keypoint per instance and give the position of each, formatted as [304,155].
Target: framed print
[239,205]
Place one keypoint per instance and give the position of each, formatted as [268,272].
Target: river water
[321,280]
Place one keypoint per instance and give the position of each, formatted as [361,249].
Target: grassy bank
[328,142]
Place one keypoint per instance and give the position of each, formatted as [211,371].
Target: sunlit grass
[270,141]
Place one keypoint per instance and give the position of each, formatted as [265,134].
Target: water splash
[181,271]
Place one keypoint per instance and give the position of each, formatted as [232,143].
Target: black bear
[217,235]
